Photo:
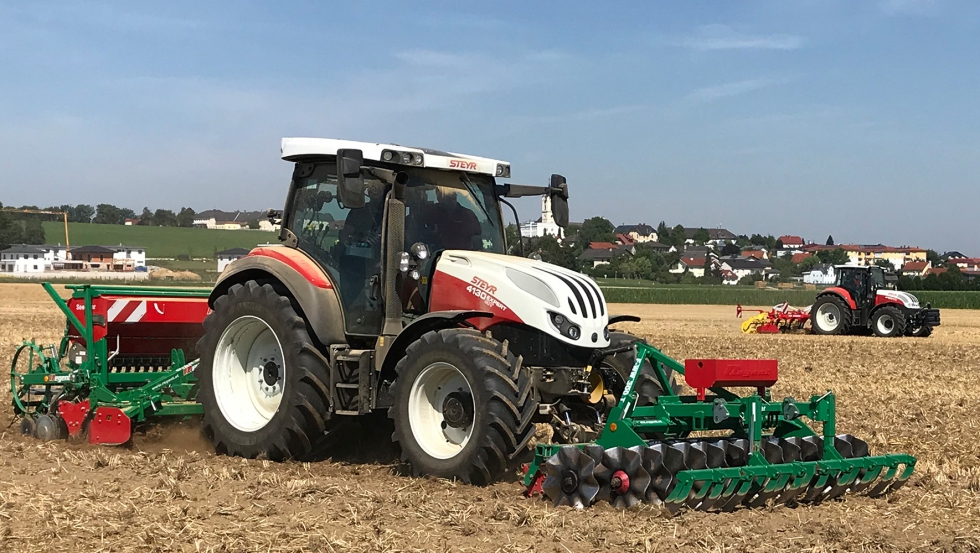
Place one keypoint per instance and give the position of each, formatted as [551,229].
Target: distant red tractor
[863,298]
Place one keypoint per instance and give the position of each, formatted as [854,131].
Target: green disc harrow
[750,451]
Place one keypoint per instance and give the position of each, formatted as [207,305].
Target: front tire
[463,406]
[830,316]
[262,381]
[922,332]
[888,322]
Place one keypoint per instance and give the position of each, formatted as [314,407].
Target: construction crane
[64,215]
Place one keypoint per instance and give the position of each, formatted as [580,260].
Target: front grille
[583,291]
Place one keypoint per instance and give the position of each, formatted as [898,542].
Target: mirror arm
[386,176]
[517,222]
[521,190]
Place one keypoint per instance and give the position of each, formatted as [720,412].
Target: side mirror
[559,200]
[350,183]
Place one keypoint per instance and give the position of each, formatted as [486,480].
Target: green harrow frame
[84,388]
[767,453]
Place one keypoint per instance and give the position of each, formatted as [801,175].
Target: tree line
[108,214]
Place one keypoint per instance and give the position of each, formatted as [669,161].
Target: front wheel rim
[437,395]
[828,316]
[248,373]
[886,324]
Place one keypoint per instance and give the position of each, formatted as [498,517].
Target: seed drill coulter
[392,292]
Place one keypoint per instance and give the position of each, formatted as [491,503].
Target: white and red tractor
[864,298]
[391,292]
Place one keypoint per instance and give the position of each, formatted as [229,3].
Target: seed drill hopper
[120,361]
[759,450]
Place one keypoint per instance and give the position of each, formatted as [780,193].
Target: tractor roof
[297,148]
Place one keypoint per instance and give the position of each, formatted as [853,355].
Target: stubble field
[169,492]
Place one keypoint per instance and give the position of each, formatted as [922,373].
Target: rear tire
[463,406]
[888,322]
[830,316]
[262,380]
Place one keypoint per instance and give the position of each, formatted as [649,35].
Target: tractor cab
[863,283]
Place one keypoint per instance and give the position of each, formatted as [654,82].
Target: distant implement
[781,318]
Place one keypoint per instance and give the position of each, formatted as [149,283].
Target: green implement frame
[672,418]
[43,377]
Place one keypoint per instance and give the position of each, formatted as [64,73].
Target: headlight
[565,327]
[532,285]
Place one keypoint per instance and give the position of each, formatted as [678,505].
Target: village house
[717,237]
[868,255]
[638,233]
[692,265]
[822,274]
[226,257]
[746,266]
[602,253]
[916,268]
[22,259]
[791,242]
[106,258]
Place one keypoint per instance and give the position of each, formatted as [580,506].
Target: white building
[226,257]
[23,259]
[742,267]
[136,254]
[265,224]
[543,226]
[54,253]
[822,274]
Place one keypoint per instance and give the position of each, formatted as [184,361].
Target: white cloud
[715,92]
[723,37]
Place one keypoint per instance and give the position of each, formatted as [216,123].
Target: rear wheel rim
[248,373]
[828,316]
[441,386]
[885,324]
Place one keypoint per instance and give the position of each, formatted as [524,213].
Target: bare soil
[169,492]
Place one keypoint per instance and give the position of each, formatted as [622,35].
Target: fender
[844,295]
[309,285]
[436,320]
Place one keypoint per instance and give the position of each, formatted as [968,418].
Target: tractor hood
[906,299]
[562,303]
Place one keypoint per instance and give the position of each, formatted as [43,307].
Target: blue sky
[857,119]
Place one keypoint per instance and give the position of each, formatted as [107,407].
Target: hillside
[158,241]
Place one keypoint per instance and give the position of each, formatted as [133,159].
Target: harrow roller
[645,454]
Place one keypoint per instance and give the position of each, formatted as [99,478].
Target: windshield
[452,211]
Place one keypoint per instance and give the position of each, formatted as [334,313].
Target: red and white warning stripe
[126,311]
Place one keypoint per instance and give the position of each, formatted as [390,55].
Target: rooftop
[299,148]
[23,248]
